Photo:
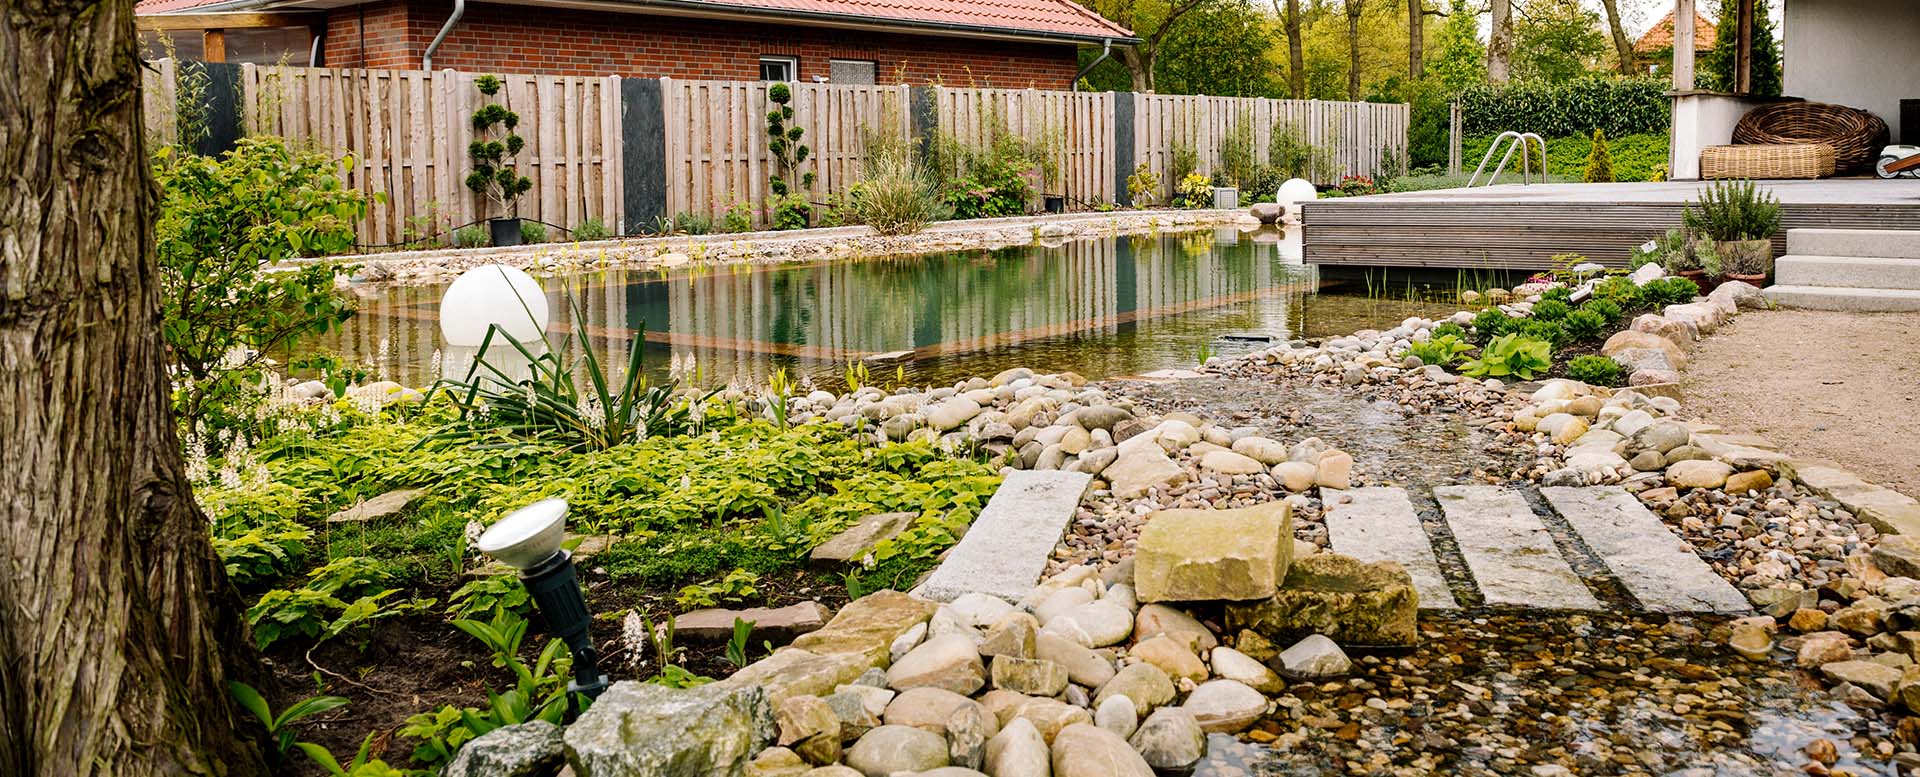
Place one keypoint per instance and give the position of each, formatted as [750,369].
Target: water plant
[1511,355]
[1595,370]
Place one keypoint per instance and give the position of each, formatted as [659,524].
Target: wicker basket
[1800,160]
[1855,135]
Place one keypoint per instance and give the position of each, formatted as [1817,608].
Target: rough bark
[1500,43]
[114,611]
[1417,39]
[1139,62]
[1354,9]
[1623,48]
[1296,54]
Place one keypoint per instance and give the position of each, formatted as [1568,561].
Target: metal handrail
[1526,165]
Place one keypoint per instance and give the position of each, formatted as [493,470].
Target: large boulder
[1148,686]
[868,626]
[1351,601]
[1087,750]
[535,748]
[1170,738]
[645,730]
[794,672]
[1630,340]
[949,661]
[1225,706]
[1142,467]
[890,749]
[1204,555]
[1019,751]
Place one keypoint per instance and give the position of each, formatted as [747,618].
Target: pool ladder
[1519,141]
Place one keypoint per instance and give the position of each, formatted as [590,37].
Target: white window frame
[792,64]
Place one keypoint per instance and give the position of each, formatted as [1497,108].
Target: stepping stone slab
[1007,548]
[1351,601]
[1510,551]
[855,543]
[1379,524]
[779,626]
[387,504]
[1658,567]
[1208,555]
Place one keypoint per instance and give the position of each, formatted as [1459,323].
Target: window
[851,71]
[779,68]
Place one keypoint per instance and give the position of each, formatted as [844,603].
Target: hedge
[1621,106]
[1638,157]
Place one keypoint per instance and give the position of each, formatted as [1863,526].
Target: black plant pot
[1056,203]
[506,232]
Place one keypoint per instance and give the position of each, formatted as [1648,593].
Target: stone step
[1891,243]
[1847,272]
[1007,547]
[1379,524]
[1849,299]
[1659,568]
[1511,553]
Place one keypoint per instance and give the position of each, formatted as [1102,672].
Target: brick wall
[519,39]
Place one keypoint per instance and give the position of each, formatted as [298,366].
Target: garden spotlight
[528,540]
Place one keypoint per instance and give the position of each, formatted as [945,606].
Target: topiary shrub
[1595,370]
[790,210]
[1599,161]
[493,176]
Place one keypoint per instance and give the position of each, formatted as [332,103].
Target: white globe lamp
[489,295]
[1296,191]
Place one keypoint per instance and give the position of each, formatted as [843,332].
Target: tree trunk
[1354,9]
[1139,62]
[1500,42]
[1622,47]
[116,610]
[1417,39]
[1296,56]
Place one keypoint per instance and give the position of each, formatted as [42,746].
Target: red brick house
[1000,43]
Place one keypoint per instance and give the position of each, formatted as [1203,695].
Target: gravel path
[1838,386]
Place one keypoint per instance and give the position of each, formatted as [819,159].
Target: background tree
[1296,57]
[1500,42]
[1622,47]
[1222,49]
[1416,38]
[1556,40]
[1460,59]
[1152,21]
[1716,71]
[1354,9]
[114,650]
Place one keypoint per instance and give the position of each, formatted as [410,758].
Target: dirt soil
[1844,387]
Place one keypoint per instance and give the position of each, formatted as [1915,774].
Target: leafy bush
[492,176]
[1620,291]
[1669,291]
[1511,355]
[223,222]
[1620,106]
[1440,350]
[1357,185]
[1291,155]
[532,233]
[591,229]
[1599,161]
[1450,329]
[1196,191]
[739,218]
[690,224]
[319,609]
[897,199]
[538,693]
[1560,293]
[994,191]
[471,236]
[1595,370]
[1734,210]
[1550,331]
[1491,323]
[1608,310]
[264,553]
[1550,309]
[1584,324]
[1236,152]
[1143,187]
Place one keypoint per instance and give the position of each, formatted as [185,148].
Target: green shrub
[1595,370]
[591,229]
[1491,323]
[1608,310]
[1620,106]
[1550,309]
[1583,325]
[1733,210]
[1196,191]
[1450,329]
[1638,157]
[1440,351]
[1621,291]
[1669,291]
[1560,293]
[1511,355]
[898,200]
[739,218]
[1599,161]
[471,236]
[992,190]
[223,222]
[1550,331]
[532,232]
[691,224]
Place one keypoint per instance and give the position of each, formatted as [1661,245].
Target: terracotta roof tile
[1051,17]
[1660,36]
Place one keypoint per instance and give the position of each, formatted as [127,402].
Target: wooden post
[1454,121]
[213,45]
[1683,15]
[1743,53]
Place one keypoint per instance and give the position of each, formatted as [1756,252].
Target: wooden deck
[1519,227]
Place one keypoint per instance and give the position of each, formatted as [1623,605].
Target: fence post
[223,109]
[924,117]
[1122,146]
[643,157]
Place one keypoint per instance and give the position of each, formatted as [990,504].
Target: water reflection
[1100,308]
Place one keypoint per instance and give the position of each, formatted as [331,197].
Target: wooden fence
[407,134]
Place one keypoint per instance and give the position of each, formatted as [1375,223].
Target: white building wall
[1858,53]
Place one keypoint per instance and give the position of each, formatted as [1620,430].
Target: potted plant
[1681,253]
[790,207]
[493,176]
[1739,219]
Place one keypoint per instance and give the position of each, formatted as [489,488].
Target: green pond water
[1101,308]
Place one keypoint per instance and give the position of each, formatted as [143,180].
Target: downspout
[313,55]
[1106,50]
[459,9]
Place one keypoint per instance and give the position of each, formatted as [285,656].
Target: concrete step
[1847,272]
[1007,547]
[1379,524]
[1511,553]
[1657,566]
[1849,299]
[1890,243]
